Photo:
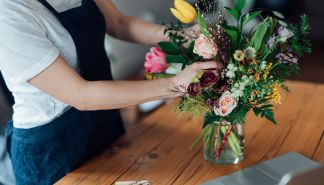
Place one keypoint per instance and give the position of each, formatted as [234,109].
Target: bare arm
[64,83]
[129,28]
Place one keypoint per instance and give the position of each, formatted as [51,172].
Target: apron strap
[48,6]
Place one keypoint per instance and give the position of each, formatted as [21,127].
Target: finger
[210,65]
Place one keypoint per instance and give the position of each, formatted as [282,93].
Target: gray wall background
[127,58]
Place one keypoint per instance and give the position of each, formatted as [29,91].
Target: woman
[53,60]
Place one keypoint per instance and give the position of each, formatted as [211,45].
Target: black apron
[44,154]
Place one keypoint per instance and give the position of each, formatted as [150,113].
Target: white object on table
[142,182]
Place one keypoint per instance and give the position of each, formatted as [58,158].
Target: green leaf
[235,13]
[257,111]
[202,24]
[190,48]
[170,48]
[194,143]
[282,23]
[240,5]
[233,32]
[278,14]
[210,118]
[270,116]
[176,59]
[259,34]
[161,75]
[250,16]
[265,111]
[237,116]
[266,106]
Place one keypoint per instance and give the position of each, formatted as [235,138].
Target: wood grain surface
[157,149]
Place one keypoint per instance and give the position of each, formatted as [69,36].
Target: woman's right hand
[185,77]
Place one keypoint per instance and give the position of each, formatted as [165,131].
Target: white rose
[226,104]
[205,47]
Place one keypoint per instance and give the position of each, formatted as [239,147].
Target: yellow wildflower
[275,96]
[267,71]
[149,76]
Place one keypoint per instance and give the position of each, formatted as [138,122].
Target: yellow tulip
[184,11]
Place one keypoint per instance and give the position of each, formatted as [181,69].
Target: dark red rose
[194,89]
[208,78]
[221,87]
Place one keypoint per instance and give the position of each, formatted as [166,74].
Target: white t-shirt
[31,38]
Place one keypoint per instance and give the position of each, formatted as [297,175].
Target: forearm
[129,28]
[103,95]
[139,31]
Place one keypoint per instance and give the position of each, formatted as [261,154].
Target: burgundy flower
[221,87]
[194,89]
[208,78]
[212,102]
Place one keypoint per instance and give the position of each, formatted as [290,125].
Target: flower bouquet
[256,63]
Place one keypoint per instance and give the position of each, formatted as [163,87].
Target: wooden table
[157,149]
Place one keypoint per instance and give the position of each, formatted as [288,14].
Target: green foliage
[161,75]
[258,37]
[240,5]
[233,33]
[176,59]
[250,16]
[211,118]
[173,31]
[282,23]
[203,134]
[278,14]
[284,71]
[202,24]
[170,48]
[193,57]
[194,104]
[238,115]
[300,42]
[209,138]
[265,111]
[234,12]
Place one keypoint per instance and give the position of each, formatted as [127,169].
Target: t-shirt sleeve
[25,50]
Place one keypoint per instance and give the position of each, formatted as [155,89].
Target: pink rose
[205,47]
[155,61]
[226,104]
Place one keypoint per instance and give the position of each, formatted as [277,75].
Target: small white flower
[263,65]
[230,74]
[271,41]
[250,52]
[237,93]
[230,66]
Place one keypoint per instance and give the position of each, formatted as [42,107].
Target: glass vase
[224,143]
